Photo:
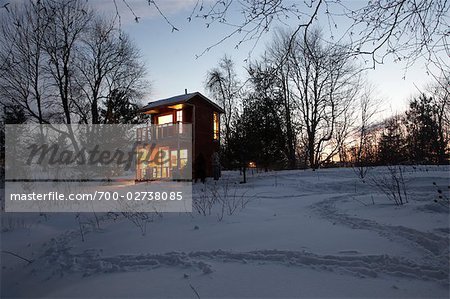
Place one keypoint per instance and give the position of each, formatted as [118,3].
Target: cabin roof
[179,99]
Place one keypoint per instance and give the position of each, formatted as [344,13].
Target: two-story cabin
[167,119]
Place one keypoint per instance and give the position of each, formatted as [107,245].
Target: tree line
[420,135]
[306,103]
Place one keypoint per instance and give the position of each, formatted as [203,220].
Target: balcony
[155,133]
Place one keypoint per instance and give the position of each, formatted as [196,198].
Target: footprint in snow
[349,252]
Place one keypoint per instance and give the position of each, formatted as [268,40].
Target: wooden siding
[203,129]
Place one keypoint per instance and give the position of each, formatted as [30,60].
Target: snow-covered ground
[293,234]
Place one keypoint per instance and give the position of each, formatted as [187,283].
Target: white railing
[165,131]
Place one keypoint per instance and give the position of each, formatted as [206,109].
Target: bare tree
[61,64]
[368,107]
[108,62]
[402,29]
[324,80]
[22,58]
[127,79]
[276,53]
[440,92]
[67,21]
[342,133]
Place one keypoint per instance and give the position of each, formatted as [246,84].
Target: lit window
[174,158]
[183,158]
[180,121]
[216,125]
[165,119]
[164,163]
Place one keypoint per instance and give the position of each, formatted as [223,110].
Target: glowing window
[164,155]
[183,157]
[174,158]
[216,125]
[180,115]
[165,119]
[180,120]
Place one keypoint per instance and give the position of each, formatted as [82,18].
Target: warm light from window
[165,119]
[180,121]
[216,125]
[174,158]
[183,158]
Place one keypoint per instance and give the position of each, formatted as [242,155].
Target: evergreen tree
[391,146]
[257,134]
[423,135]
[261,119]
[120,109]
[12,114]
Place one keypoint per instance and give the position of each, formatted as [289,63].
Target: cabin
[185,128]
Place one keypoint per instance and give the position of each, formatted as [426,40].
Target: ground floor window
[183,158]
[164,162]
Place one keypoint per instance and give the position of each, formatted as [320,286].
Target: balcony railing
[167,131]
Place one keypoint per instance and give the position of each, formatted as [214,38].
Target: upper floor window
[216,125]
[180,121]
[165,119]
